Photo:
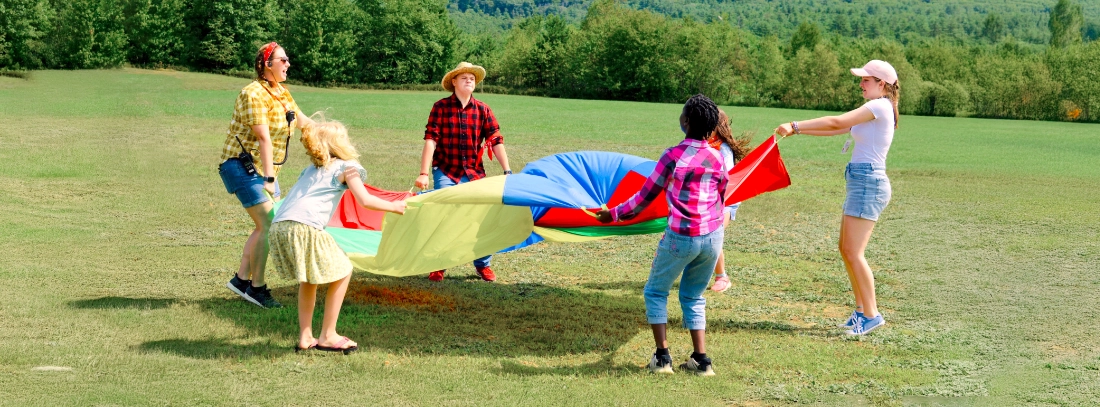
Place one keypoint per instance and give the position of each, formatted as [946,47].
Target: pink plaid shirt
[694,182]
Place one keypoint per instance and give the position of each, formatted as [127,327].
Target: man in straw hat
[460,128]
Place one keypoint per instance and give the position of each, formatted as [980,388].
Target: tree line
[332,41]
[901,20]
[622,53]
[613,52]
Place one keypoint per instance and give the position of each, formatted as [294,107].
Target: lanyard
[289,121]
[280,101]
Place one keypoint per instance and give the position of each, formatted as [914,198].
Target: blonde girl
[300,247]
[733,150]
[868,188]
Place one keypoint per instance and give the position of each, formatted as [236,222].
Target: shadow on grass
[728,325]
[124,303]
[604,367]
[455,317]
[632,285]
[217,348]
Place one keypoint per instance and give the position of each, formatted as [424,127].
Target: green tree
[225,34]
[156,32]
[23,27]
[406,41]
[536,48]
[622,54]
[814,80]
[807,36]
[1077,68]
[994,27]
[1065,24]
[766,73]
[88,34]
[323,39]
[1018,87]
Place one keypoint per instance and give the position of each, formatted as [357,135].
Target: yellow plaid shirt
[256,106]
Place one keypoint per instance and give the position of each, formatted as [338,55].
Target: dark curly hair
[702,116]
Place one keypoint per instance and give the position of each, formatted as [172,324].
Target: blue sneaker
[851,321]
[865,325]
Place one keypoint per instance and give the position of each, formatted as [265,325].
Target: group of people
[692,176]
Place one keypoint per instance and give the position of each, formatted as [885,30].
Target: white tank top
[873,138]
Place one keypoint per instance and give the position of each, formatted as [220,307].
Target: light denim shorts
[868,190]
[731,211]
[248,188]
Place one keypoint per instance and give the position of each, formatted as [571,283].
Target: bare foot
[305,344]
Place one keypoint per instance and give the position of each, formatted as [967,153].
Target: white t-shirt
[873,138]
[314,197]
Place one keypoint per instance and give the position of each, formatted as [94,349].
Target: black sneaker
[700,367]
[238,286]
[660,364]
[261,296]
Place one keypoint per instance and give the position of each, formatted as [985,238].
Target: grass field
[118,238]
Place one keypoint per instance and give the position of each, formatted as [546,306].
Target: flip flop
[339,347]
[298,348]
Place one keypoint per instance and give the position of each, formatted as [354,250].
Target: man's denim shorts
[868,190]
[248,188]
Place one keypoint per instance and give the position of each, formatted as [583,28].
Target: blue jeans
[695,258]
[443,181]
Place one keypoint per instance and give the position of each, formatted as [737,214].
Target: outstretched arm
[828,125]
[364,198]
[651,190]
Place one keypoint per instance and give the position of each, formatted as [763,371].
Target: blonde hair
[327,139]
[892,92]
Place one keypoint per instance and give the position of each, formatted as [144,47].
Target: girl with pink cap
[872,127]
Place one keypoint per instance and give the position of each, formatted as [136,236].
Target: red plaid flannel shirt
[459,134]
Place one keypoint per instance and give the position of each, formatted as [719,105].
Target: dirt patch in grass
[403,297]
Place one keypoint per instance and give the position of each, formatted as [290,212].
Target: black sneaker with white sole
[238,286]
[660,364]
[701,367]
[261,296]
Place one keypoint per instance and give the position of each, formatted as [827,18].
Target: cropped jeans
[692,256]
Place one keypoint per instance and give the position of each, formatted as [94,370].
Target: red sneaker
[486,274]
[436,275]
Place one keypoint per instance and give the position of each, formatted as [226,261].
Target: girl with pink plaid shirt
[692,177]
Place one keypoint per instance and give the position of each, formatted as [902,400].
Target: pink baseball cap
[879,69]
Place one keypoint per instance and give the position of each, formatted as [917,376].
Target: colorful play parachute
[548,201]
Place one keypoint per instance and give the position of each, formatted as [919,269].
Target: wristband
[424,174]
[269,179]
[507,172]
[794,125]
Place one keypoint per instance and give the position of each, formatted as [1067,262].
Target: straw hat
[463,67]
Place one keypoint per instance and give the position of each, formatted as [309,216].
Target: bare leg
[855,233]
[254,259]
[720,267]
[660,335]
[334,299]
[848,267]
[307,299]
[699,340]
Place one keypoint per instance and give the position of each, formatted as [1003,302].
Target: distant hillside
[1025,20]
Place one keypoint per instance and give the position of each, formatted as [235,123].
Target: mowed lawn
[117,239]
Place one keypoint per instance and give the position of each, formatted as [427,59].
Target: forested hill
[902,20]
